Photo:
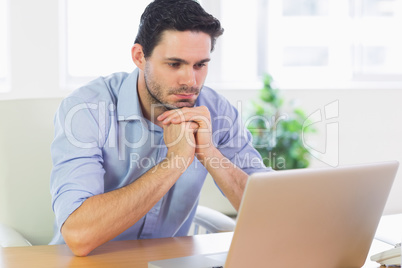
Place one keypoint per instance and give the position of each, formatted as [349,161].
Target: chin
[184,104]
[179,105]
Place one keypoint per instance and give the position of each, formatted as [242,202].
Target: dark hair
[180,15]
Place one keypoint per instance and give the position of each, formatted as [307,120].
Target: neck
[150,112]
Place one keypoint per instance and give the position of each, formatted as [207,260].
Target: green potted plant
[277,130]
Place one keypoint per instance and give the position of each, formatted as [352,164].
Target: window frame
[5,80]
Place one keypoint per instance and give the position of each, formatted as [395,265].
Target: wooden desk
[135,253]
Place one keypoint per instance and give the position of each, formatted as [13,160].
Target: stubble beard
[155,96]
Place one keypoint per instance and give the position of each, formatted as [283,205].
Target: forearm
[230,179]
[102,217]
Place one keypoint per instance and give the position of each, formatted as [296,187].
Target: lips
[185,96]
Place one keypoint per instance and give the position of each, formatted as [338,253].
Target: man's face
[176,70]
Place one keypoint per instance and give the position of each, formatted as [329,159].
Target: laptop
[324,217]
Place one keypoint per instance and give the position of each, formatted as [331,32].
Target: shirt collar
[128,105]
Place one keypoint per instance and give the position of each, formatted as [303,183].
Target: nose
[188,77]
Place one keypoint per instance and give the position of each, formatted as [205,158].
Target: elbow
[78,247]
[80,251]
[77,242]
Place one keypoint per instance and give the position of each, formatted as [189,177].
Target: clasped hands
[187,132]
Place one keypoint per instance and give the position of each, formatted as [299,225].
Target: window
[303,44]
[346,44]
[97,36]
[236,60]
[377,50]
[100,43]
[3,46]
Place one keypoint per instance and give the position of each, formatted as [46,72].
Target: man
[131,151]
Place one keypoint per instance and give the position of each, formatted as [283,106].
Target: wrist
[206,154]
[214,160]
[177,161]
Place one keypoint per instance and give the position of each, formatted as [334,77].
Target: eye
[174,64]
[199,65]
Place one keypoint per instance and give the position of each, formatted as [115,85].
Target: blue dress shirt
[102,143]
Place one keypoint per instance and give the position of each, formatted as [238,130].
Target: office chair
[26,217]
[207,220]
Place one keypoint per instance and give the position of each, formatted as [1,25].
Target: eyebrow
[186,62]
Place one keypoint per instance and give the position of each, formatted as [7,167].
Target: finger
[194,126]
[199,114]
[202,120]
[163,115]
[170,113]
[176,116]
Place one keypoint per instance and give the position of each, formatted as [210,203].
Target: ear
[137,55]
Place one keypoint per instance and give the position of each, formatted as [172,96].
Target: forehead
[183,44]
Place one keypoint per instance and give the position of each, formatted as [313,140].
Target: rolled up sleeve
[77,157]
